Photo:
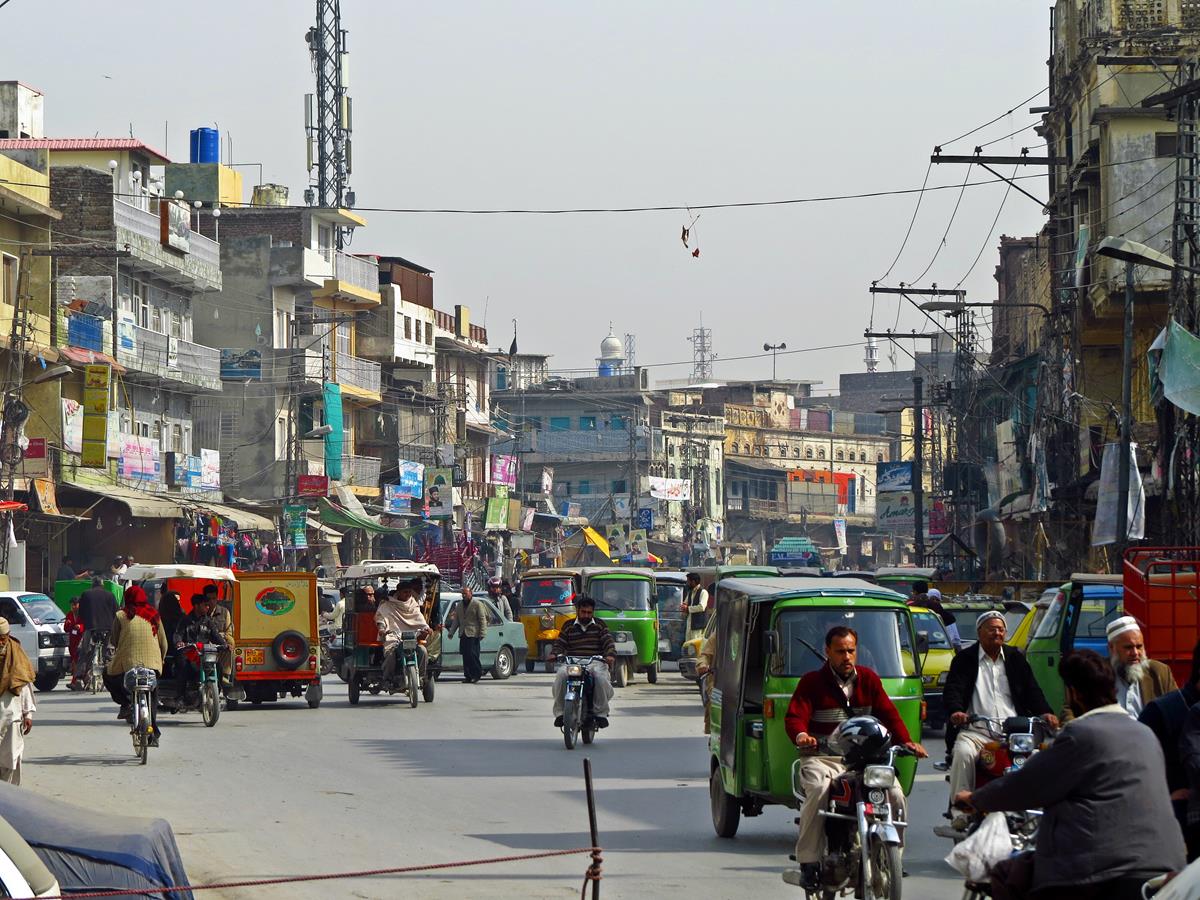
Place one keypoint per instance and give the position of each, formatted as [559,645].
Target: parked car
[37,623]
[503,649]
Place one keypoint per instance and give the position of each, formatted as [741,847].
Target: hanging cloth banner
[1179,368]
[1105,528]
[336,439]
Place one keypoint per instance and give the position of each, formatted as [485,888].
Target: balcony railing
[361,471]
[359,373]
[305,364]
[145,223]
[353,270]
[172,358]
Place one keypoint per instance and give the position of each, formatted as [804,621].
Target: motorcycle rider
[400,611]
[989,680]
[585,635]
[823,699]
[199,626]
[1107,825]
[224,621]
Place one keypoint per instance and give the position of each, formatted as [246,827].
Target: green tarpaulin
[332,514]
[1179,368]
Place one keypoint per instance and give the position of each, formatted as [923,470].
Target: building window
[1166,143]
[821,453]
[560,423]
[671,449]
[841,455]
[8,280]
[619,486]
[618,423]
[585,486]
[587,423]
[671,470]
[808,453]
[417,326]
[343,339]
[408,328]
[879,457]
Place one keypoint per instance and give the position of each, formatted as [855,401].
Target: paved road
[480,773]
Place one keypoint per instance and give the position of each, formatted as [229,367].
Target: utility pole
[918,468]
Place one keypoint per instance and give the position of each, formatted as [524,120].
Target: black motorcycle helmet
[860,740]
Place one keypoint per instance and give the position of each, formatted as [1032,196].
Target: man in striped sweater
[585,635]
[823,699]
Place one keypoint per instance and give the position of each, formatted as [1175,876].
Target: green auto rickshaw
[769,633]
[625,600]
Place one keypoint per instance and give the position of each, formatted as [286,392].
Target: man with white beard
[1139,680]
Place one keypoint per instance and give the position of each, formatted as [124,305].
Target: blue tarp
[96,851]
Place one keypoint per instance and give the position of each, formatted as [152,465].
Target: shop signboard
[495,516]
[894,512]
[140,460]
[893,477]
[645,519]
[312,485]
[504,470]
[410,483]
[97,380]
[296,516]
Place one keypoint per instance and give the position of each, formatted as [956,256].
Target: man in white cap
[16,703]
[1139,680]
[989,680]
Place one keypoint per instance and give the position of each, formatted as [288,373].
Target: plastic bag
[990,843]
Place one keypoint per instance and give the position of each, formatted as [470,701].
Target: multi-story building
[288,327]
[463,369]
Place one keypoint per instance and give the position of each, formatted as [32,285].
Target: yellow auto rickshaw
[275,630]
[547,602]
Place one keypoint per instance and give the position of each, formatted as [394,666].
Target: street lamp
[1132,254]
[949,306]
[773,349]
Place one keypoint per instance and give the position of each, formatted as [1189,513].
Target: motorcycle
[578,718]
[203,695]
[331,648]
[862,839]
[141,684]
[407,679]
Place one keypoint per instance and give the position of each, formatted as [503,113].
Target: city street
[480,773]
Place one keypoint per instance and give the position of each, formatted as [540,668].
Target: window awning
[332,514]
[141,504]
[244,519]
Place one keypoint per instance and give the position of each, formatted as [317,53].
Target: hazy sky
[574,104]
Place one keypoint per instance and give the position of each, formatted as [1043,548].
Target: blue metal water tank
[607,370]
[205,146]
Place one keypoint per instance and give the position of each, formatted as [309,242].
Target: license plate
[253,656]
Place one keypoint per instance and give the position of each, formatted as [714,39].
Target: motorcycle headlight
[690,650]
[574,671]
[1020,743]
[882,777]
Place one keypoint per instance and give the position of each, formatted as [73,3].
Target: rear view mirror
[772,642]
[922,642]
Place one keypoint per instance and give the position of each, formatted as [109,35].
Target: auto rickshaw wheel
[652,674]
[313,694]
[354,688]
[620,678]
[726,811]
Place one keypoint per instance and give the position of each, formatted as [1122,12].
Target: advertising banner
[495,517]
[937,522]
[504,470]
[839,531]
[671,488]
[639,545]
[645,519]
[617,545]
[622,508]
[296,516]
[140,459]
[439,493]
[241,365]
[187,471]
[410,483]
[94,423]
[35,461]
[893,476]
[894,512]
[210,469]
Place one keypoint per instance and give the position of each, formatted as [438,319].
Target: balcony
[359,378]
[361,472]
[583,445]
[198,267]
[355,281]
[171,359]
[305,365]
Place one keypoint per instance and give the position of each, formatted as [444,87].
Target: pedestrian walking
[472,622]
[73,626]
[16,703]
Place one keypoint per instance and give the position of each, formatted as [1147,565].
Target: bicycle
[99,661]
[141,684]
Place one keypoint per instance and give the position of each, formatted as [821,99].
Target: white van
[37,623]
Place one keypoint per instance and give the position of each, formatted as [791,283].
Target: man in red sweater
[823,700]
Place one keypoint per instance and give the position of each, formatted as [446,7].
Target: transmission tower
[327,113]
[631,351]
[702,354]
